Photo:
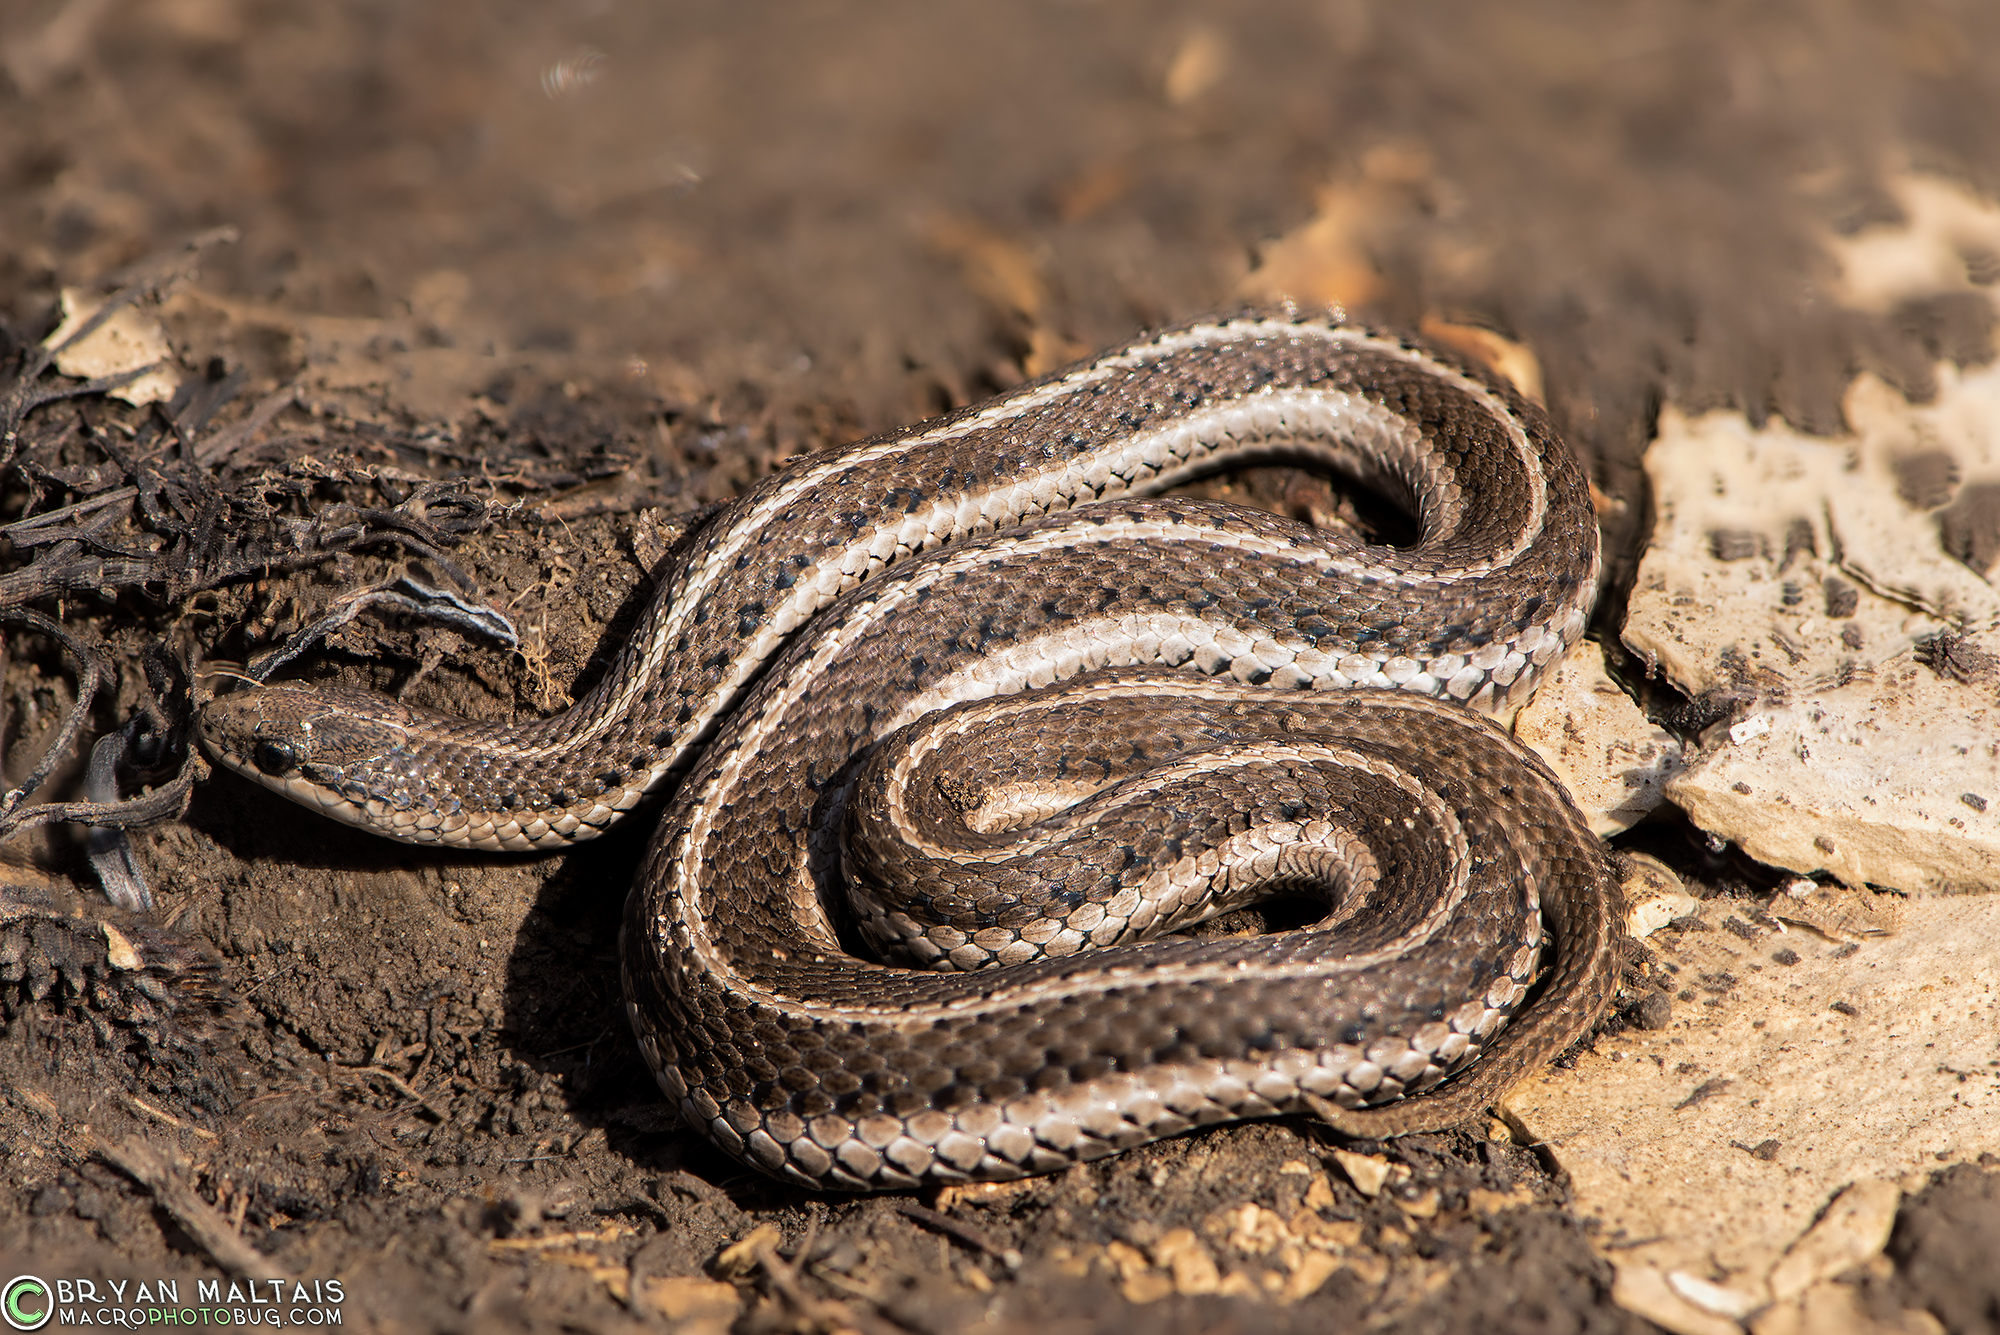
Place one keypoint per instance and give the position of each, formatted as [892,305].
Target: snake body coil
[968,664]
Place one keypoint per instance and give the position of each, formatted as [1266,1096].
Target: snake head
[328,748]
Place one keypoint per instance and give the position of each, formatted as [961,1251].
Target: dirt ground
[595,265]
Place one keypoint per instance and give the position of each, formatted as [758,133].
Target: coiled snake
[968,660]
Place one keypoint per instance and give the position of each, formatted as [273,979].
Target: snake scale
[958,720]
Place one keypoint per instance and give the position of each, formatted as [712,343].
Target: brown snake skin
[959,697]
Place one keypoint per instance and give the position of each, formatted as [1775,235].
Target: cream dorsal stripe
[737,592]
[1009,556]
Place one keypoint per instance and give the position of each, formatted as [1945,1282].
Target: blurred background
[817,219]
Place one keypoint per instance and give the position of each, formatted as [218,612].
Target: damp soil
[695,240]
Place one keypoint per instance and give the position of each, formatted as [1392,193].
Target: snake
[967,733]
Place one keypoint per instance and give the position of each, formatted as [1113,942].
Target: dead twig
[201,1221]
[163,803]
[758,1252]
[135,1102]
[965,1233]
[149,278]
[394,1081]
[90,676]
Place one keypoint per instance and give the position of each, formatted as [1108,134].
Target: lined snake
[982,664]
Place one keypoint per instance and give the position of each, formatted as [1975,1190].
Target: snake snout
[277,733]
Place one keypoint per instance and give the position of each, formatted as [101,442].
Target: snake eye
[276,759]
